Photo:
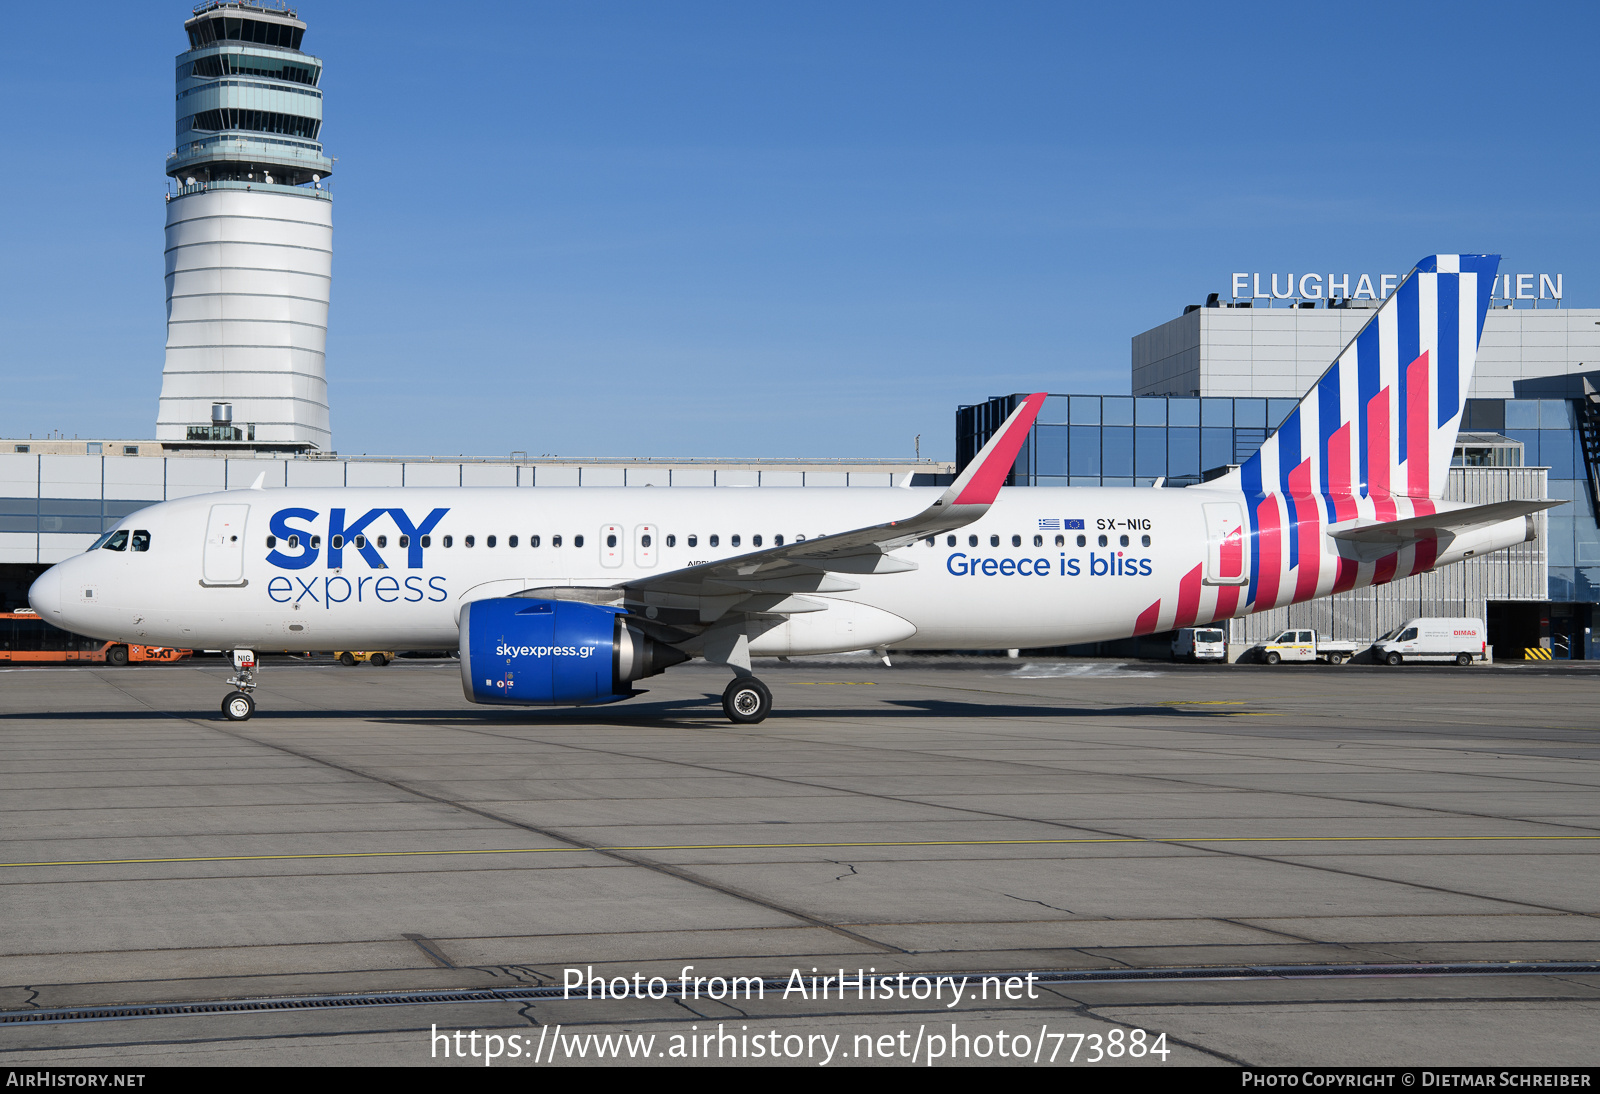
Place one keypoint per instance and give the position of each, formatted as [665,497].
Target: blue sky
[785,229]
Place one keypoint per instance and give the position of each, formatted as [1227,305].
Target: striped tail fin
[1375,434]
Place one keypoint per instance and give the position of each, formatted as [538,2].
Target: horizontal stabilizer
[1397,533]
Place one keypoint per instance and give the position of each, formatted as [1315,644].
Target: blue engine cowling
[523,652]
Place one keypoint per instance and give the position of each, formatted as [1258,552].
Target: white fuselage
[1003,582]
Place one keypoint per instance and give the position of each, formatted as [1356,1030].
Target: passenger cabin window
[383,541]
[1104,542]
[294,543]
[949,541]
[929,541]
[1038,541]
[427,541]
[694,541]
[118,541]
[716,541]
[611,541]
[577,541]
[316,543]
[644,540]
[140,540]
[489,542]
[1061,541]
[1144,541]
[511,541]
[449,541]
[972,541]
[1016,541]
[672,541]
[470,541]
[272,541]
[405,541]
[734,541]
[777,541]
[338,542]
[533,541]
[755,541]
[994,541]
[555,541]
[1083,541]
[360,542]
[1124,541]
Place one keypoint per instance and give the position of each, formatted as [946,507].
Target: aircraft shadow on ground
[708,707]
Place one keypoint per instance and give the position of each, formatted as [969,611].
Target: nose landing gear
[237,706]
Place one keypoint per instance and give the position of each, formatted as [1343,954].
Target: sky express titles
[296,548]
[306,545]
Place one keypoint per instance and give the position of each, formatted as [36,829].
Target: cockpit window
[117,541]
[140,540]
[101,542]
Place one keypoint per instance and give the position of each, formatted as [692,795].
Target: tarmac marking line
[1175,840]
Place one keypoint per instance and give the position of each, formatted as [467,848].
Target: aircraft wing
[771,581]
[1400,533]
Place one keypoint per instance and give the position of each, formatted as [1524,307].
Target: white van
[1460,640]
[1200,644]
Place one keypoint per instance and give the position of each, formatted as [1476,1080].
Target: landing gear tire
[746,700]
[379,660]
[347,659]
[238,706]
[1463,659]
[117,655]
[1272,657]
[1392,659]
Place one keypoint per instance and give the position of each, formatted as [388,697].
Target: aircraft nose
[45,595]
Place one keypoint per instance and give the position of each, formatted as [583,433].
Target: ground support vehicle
[350,658]
[1459,639]
[1299,645]
[26,637]
[1200,644]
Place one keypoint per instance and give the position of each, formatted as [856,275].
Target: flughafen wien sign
[1315,286]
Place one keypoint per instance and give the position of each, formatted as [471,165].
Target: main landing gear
[238,705]
[746,700]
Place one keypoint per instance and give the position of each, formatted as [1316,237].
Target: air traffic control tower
[249,237]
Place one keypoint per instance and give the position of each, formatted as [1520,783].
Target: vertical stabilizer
[1380,424]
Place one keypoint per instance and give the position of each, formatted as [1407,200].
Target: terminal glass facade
[1121,440]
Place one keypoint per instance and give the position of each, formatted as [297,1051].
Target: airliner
[571,596]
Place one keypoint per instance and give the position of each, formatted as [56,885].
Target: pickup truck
[1298,645]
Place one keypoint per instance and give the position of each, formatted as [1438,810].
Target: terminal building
[1209,386]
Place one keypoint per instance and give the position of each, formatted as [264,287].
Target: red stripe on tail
[1417,432]
[1270,550]
[1344,504]
[1307,530]
[1378,456]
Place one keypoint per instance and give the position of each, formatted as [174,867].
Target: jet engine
[524,652]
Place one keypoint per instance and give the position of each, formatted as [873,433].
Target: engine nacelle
[524,652]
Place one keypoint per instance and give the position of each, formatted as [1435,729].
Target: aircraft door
[612,549]
[1225,561]
[644,546]
[223,562]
